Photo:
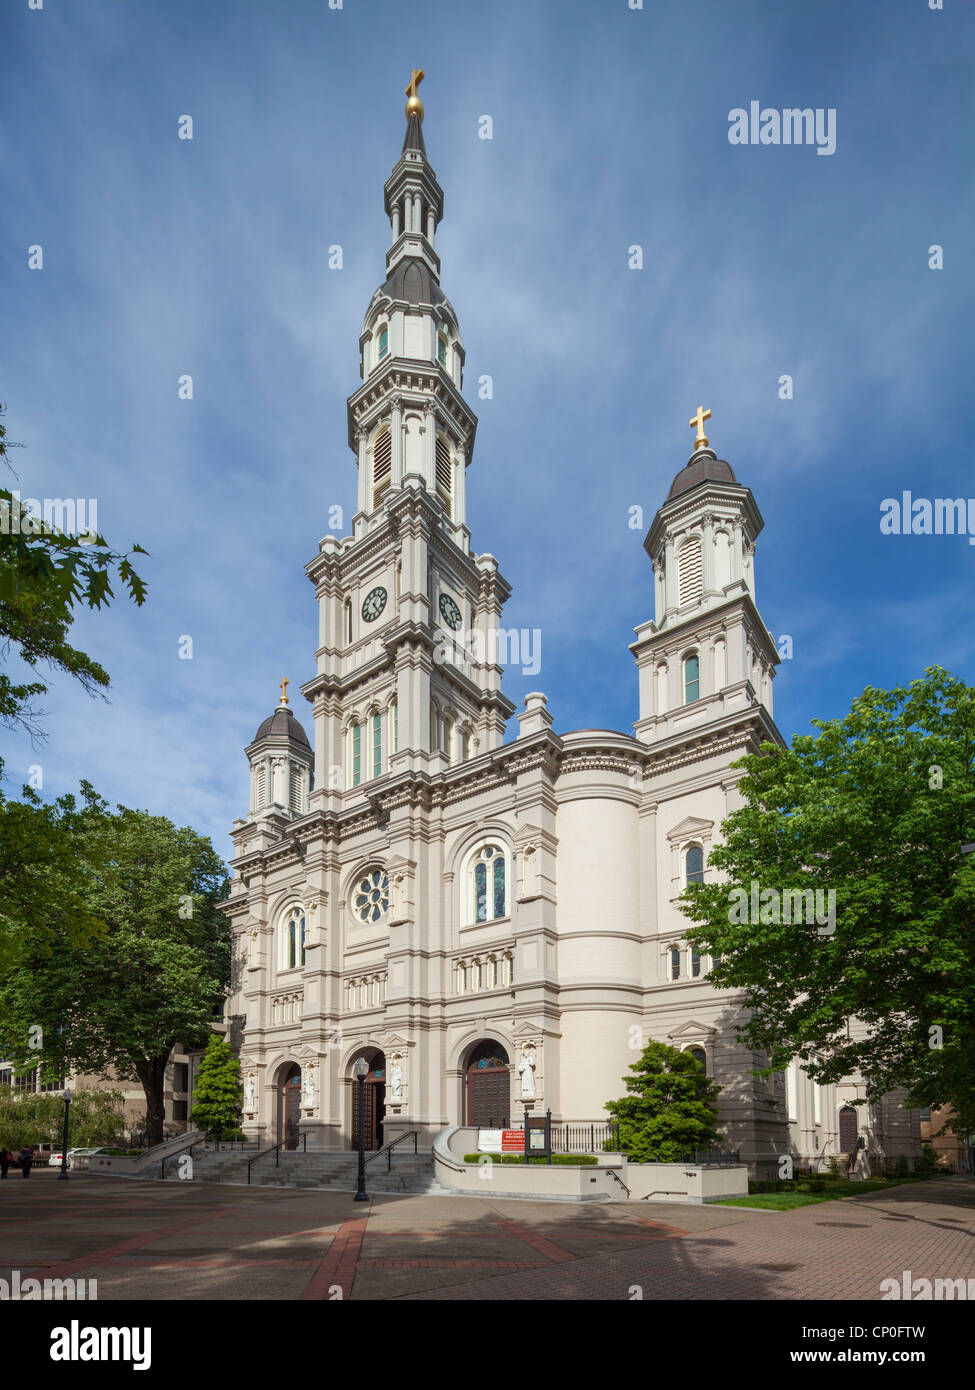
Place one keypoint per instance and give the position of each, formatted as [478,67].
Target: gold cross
[415,81]
[284,690]
[697,422]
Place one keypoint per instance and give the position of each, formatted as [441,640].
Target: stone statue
[396,1078]
[308,1086]
[527,1070]
[250,1091]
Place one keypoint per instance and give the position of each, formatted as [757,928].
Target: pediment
[689,827]
[693,1029]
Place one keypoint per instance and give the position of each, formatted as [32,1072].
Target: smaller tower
[707,653]
[281,764]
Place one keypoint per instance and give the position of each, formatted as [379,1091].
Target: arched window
[355,755]
[382,463]
[461,977]
[690,571]
[442,349]
[475,976]
[434,728]
[491,973]
[291,954]
[692,678]
[383,342]
[700,1057]
[695,963]
[392,725]
[377,744]
[489,883]
[348,620]
[675,962]
[350,994]
[445,473]
[448,737]
[507,968]
[694,864]
[363,994]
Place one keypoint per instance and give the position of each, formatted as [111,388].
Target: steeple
[707,652]
[408,419]
[409,675]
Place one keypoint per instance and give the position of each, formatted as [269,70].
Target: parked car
[57,1153]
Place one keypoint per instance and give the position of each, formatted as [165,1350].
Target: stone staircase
[410,1174]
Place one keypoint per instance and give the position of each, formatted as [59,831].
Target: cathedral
[494,927]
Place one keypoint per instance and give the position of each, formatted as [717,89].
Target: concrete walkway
[168,1241]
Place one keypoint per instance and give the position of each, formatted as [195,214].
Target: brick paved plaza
[168,1241]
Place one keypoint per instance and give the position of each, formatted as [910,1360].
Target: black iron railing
[290,1145]
[387,1149]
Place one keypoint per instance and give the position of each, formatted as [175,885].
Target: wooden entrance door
[289,1109]
[488,1087]
[375,1105]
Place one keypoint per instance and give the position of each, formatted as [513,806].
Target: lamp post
[63,1175]
[360,1071]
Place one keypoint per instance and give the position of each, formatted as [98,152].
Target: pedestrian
[26,1159]
[5,1157]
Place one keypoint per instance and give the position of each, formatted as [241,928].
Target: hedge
[566,1160]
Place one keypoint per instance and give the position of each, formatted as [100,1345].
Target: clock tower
[408,677]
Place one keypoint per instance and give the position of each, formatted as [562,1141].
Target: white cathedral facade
[494,926]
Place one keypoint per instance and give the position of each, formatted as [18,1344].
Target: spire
[414,199]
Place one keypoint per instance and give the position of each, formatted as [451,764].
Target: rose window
[370,900]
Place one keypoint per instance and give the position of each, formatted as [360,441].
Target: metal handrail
[387,1149]
[276,1150]
[616,1177]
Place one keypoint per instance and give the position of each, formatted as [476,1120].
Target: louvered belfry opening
[690,578]
[382,463]
[445,474]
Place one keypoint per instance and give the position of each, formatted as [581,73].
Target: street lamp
[360,1071]
[63,1175]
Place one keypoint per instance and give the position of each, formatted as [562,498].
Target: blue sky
[165,256]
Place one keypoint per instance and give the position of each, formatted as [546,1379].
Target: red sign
[512,1141]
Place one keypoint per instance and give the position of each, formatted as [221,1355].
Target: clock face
[449,611]
[375,602]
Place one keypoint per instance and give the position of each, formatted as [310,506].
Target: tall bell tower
[408,676]
[706,654]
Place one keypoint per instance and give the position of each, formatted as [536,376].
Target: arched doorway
[488,1086]
[375,1099]
[289,1106]
[848,1129]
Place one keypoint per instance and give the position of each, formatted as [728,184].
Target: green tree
[44,575]
[671,1108]
[218,1092]
[97,1117]
[155,976]
[876,808]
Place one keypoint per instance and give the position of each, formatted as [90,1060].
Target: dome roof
[410,279]
[702,467]
[282,724]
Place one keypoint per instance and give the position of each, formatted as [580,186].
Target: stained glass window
[377,744]
[370,900]
[499,905]
[695,962]
[692,679]
[490,886]
[383,343]
[694,864]
[356,754]
[442,350]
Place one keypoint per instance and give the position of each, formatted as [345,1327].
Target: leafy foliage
[671,1108]
[218,1092]
[97,1117]
[876,807]
[153,976]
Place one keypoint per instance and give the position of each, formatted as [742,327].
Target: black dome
[702,467]
[410,279]
[282,724]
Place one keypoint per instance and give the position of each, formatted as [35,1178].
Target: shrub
[563,1160]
